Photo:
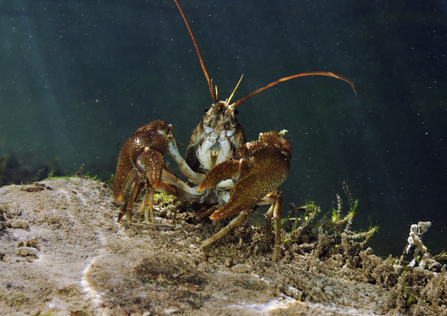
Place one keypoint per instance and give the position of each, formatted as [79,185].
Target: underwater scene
[77,78]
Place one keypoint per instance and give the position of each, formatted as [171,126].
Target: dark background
[77,77]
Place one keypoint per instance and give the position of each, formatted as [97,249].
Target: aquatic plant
[326,237]
[442,256]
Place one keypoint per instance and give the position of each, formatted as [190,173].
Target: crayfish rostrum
[222,170]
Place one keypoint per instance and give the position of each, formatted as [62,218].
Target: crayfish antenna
[234,90]
[213,91]
[304,74]
[210,85]
[230,107]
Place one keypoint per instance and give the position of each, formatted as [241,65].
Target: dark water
[77,77]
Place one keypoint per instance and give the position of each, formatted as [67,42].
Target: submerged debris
[415,242]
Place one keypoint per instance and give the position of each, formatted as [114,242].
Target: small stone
[170,311]
[17,223]
[241,268]
[294,292]
[32,242]
[26,251]
[36,312]
[329,290]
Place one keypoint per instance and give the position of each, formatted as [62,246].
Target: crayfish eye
[206,109]
[236,112]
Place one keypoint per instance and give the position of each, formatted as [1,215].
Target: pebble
[26,251]
[242,268]
[17,223]
[294,292]
[170,311]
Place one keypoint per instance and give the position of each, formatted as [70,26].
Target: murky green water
[78,77]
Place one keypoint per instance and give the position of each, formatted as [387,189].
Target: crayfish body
[222,170]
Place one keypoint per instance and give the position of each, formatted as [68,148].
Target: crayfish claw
[258,168]
[228,169]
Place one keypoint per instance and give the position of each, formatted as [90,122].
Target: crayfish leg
[178,188]
[275,210]
[202,214]
[235,223]
[126,208]
[148,205]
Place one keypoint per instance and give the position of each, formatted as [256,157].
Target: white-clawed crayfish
[226,174]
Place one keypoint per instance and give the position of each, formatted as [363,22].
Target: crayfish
[224,172]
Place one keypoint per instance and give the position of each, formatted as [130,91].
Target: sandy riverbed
[62,253]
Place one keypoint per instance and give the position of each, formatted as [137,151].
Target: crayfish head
[224,108]
[216,137]
[220,117]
